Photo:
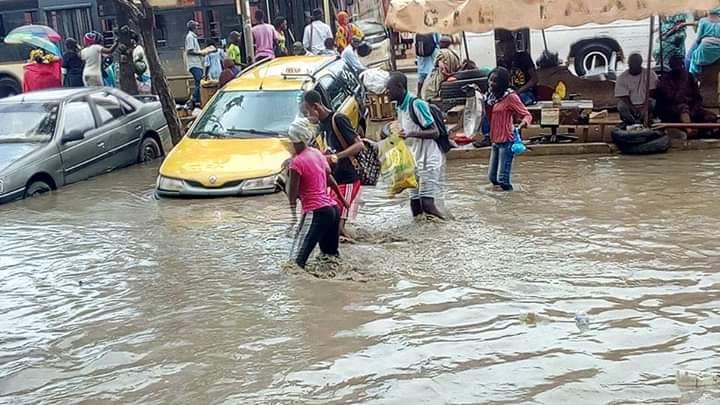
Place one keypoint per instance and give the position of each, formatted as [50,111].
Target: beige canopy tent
[453,16]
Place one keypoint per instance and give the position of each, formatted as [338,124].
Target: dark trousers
[319,227]
[630,114]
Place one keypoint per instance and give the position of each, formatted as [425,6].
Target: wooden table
[552,116]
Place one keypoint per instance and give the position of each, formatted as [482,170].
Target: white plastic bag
[375,79]
[473,114]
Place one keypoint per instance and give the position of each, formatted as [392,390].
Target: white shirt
[92,56]
[315,35]
[427,153]
[191,43]
[351,59]
[634,87]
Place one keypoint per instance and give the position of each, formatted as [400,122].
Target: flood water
[107,294]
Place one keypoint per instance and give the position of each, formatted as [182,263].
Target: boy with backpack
[426,46]
[426,136]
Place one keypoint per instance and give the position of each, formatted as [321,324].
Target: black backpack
[443,139]
[425,44]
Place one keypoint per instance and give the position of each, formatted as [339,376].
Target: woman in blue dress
[707,47]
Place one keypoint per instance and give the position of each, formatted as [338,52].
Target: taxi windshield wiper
[208,135]
[253,131]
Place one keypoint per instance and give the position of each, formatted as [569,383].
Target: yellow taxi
[238,143]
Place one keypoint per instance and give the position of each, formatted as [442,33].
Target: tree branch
[131,8]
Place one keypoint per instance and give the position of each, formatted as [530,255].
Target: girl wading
[310,177]
[503,108]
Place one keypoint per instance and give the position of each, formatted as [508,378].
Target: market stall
[453,16]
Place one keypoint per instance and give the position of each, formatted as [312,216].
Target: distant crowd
[271,41]
[91,65]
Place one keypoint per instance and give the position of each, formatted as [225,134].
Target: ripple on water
[108,294]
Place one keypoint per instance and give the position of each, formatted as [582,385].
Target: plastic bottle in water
[689,378]
[582,321]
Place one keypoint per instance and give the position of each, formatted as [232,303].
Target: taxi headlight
[260,183]
[169,184]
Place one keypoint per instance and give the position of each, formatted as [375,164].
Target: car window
[350,79]
[27,121]
[108,107]
[337,90]
[78,116]
[127,108]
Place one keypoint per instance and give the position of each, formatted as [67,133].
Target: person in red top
[503,108]
[42,72]
[310,177]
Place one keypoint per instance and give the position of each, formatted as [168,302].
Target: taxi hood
[225,160]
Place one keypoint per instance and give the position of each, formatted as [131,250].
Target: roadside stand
[559,121]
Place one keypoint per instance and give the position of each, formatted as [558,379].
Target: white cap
[300,131]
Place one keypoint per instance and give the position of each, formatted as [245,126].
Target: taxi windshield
[248,114]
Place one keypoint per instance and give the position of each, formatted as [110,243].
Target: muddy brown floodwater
[107,294]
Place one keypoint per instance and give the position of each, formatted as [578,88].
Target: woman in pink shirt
[264,37]
[503,108]
[310,176]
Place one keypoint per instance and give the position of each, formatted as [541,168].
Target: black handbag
[366,163]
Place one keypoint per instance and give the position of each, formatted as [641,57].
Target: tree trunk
[128,84]
[159,81]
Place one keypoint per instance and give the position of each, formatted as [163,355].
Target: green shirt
[233,53]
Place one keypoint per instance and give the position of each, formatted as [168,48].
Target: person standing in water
[503,108]
[343,145]
[420,138]
[309,180]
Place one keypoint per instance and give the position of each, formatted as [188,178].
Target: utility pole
[328,12]
[243,10]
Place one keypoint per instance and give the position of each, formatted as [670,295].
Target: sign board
[550,117]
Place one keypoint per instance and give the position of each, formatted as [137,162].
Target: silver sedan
[56,137]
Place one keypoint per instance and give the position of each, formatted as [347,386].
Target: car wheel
[149,150]
[592,57]
[36,188]
[9,87]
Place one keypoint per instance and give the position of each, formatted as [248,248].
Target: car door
[86,157]
[122,127]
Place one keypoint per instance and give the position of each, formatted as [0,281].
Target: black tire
[149,150]
[469,74]
[481,82]
[36,188]
[623,137]
[588,50]
[659,145]
[9,87]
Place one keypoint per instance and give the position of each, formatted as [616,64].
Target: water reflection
[107,294]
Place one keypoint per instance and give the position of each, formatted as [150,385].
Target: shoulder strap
[312,29]
[413,114]
[337,133]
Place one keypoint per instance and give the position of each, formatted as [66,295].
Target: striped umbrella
[38,36]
